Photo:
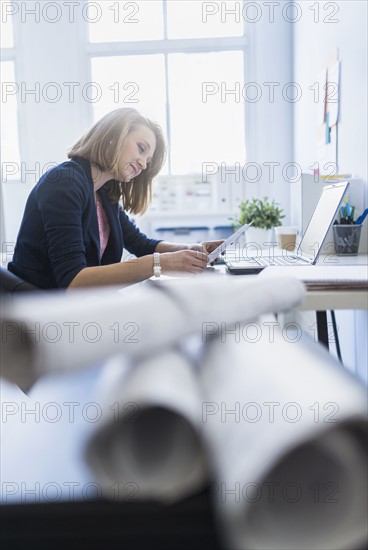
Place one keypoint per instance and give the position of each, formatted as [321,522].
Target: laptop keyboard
[291,260]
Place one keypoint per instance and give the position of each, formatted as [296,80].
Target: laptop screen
[322,219]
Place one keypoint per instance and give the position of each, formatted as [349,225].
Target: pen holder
[346,239]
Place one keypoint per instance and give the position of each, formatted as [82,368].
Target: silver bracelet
[156,264]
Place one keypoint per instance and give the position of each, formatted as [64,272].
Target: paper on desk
[154,445]
[56,332]
[160,453]
[312,466]
[286,429]
[157,442]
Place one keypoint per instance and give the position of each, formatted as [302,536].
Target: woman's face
[138,152]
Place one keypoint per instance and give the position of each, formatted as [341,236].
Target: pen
[361,218]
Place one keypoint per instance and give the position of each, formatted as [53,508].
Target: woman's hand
[191,261]
[206,247]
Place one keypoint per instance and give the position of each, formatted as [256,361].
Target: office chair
[10,283]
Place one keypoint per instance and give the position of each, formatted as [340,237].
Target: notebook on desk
[324,277]
[312,241]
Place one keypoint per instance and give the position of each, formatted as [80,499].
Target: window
[204,128]
[179,65]
[9,109]
[7,39]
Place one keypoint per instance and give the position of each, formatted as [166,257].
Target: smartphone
[231,240]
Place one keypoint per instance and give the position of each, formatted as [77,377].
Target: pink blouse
[103,225]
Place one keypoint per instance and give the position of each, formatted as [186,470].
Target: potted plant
[264,214]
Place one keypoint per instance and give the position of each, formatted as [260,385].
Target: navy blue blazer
[59,233]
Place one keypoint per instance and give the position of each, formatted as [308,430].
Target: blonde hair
[103,144]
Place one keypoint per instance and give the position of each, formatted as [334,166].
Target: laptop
[311,243]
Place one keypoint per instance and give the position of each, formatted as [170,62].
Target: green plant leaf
[262,212]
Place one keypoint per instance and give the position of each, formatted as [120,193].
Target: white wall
[270,120]
[314,42]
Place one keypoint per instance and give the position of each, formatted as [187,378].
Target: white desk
[337,299]
[325,300]
[322,300]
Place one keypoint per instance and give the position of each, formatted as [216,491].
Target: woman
[74,230]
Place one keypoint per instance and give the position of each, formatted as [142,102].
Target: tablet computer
[231,240]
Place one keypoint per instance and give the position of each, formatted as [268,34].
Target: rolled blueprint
[152,444]
[286,427]
[54,332]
